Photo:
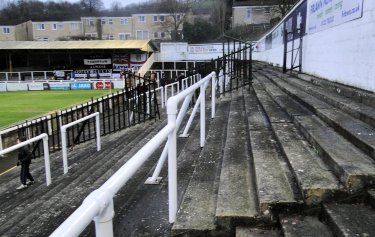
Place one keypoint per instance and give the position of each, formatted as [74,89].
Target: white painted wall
[343,53]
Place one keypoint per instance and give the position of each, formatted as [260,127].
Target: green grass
[19,106]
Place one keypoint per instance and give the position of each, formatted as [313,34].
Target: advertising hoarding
[3,87]
[102,85]
[323,14]
[36,86]
[16,86]
[80,85]
[59,85]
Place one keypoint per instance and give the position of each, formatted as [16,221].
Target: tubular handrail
[43,137]
[98,205]
[63,136]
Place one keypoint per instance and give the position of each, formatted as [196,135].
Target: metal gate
[294,51]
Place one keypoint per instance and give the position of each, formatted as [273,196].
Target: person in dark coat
[24,159]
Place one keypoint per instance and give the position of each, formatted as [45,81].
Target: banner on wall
[3,87]
[205,48]
[324,14]
[16,86]
[296,20]
[80,85]
[92,73]
[102,85]
[36,86]
[59,85]
[98,62]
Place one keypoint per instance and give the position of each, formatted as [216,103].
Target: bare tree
[177,11]
[92,5]
[285,6]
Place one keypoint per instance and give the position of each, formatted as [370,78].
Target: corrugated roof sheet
[85,44]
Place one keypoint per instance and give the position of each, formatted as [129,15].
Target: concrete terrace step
[360,133]
[350,220]
[274,186]
[314,178]
[361,96]
[143,211]
[354,168]
[358,110]
[237,201]
[196,215]
[304,226]
[256,232]
[65,192]
[77,190]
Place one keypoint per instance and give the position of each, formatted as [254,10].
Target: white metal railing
[63,136]
[43,137]
[98,205]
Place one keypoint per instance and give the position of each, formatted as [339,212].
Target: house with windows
[7,33]
[135,27]
[257,13]
[55,30]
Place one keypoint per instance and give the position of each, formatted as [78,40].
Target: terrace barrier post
[172,160]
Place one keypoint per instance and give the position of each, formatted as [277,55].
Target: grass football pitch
[19,106]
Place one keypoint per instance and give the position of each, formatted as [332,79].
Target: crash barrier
[98,206]
[44,138]
[63,136]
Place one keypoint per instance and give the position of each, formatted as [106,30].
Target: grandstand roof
[142,45]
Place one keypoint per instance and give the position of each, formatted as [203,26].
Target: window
[141,18]
[162,35]
[110,21]
[267,10]
[92,35]
[108,37]
[156,35]
[124,21]
[74,26]
[42,38]
[248,13]
[161,18]
[57,26]
[89,22]
[142,35]
[104,21]
[6,30]
[155,18]
[40,26]
[178,17]
[124,36]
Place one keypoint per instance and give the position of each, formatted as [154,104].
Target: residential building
[55,30]
[137,26]
[255,12]
[7,33]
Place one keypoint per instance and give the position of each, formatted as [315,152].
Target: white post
[63,149]
[203,115]
[1,143]
[172,169]
[45,75]
[213,95]
[32,76]
[162,97]
[98,143]
[46,160]
[103,222]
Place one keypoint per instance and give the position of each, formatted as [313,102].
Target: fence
[132,105]
[99,205]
